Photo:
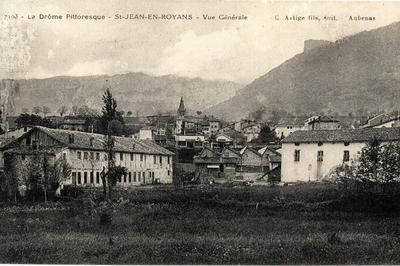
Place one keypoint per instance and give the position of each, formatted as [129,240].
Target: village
[185,149]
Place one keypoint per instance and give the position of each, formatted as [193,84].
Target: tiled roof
[92,141]
[346,135]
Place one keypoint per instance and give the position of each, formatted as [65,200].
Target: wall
[299,171]
[161,171]
[286,130]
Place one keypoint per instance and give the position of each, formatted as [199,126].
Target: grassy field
[203,225]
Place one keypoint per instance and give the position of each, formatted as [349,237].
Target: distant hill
[356,73]
[133,91]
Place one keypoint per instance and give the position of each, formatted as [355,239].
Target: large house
[312,155]
[146,162]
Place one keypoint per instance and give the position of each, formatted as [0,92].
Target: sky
[235,50]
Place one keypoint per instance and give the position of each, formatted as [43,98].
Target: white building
[312,155]
[190,141]
[145,161]
[285,129]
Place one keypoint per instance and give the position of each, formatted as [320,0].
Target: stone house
[145,161]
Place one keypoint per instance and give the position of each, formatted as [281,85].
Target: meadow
[306,223]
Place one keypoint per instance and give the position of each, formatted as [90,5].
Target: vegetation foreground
[308,223]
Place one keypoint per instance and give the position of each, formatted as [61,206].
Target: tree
[115,174]
[111,118]
[62,110]
[111,122]
[61,172]
[266,135]
[36,110]
[45,110]
[378,166]
[32,120]
[368,162]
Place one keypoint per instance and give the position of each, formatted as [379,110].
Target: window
[35,144]
[141,157]
[71,138]
[74,178]
[169,159]
[98,156]
[346,156]
[131,156]
[182,143]
[91,155]
[97,177]
[129,177]
[79,154]
[169,172]
[120,179]
[320,156]
[320,144]
[84,177]
[28,141]
[79,177]
[198,143]
[85,155]
[160,159]
[121,156]
[91,178]
[297,144]
[124,178]
[154,159]
[139,177]
[64,156]
[134,176]
[296,155]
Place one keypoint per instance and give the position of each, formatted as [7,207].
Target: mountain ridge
[352,74]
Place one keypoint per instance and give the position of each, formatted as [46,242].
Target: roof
[233,134]
[382,119]
[321,118]
[73,122]
[343,135]
[93,141]
[245,148]
[263,150]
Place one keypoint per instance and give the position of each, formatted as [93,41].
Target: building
[146,162]
[231,164]
[271,156]
[285,129]
[211,165]
[215,125]
[73,123]
[251,131]
[321,122]
[228,138]
[180,123]
[312,155]
[384,120]
[195,140]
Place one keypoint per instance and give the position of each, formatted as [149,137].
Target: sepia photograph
[191,132]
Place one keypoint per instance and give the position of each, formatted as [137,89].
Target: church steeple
[181,109]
